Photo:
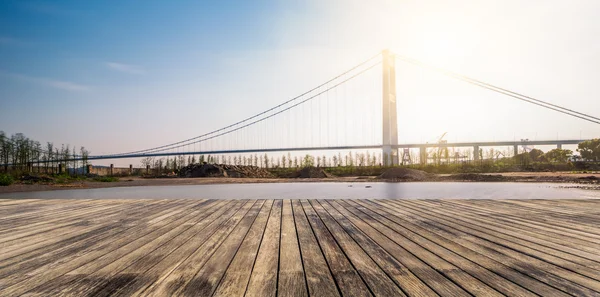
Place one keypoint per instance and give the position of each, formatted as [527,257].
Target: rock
[223,170]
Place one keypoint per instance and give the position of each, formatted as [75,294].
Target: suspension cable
[259,114]
[503,91]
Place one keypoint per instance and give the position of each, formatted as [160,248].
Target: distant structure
[406,160]
[390,121]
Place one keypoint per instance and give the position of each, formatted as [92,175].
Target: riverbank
[589,180]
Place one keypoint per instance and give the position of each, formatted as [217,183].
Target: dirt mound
[312,172]
[477,177]
[36,178]
[404,174]
[223,170]
[590,177]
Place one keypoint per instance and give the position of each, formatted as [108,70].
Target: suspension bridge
[355,110]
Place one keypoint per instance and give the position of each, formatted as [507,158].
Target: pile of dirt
[406,174]
[223,170]
[478,177]
[312,172]
[31,178]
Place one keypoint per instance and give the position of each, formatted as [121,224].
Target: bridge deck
[299,247]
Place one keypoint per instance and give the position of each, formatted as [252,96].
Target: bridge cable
[259,114]
[518,96]
[259,120]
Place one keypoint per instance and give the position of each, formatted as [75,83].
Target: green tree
[558,155]
[589,149]
[535,155]
[308,161]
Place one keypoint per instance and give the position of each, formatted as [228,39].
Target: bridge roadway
[515,144]
[336,247]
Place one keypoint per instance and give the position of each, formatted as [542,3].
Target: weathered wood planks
[299,247]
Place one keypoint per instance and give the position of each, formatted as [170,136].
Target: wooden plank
[11,201]
[53,271]
[25,261]
[152,267]
[531,222]
[523,239]
[32,210]
[318,275]
[349,281]
[292,280]
[463,266]
[263,280]
[180,276]
[46,226]
[397,215]
[299,247]
[92,281]
[377,280]
[210,274]
[63,235]
[235,280]
[43,208]
[555,276]
[397,261]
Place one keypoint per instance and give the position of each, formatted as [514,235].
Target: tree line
[19,152]
[589,151]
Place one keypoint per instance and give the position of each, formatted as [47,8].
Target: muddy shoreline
[587,181]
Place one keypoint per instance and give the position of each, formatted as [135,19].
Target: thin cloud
[127,68]
[64,85]
[53,83]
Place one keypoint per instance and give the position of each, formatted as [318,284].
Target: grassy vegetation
[66,179]
[106,179]
[484,166]
[6,180]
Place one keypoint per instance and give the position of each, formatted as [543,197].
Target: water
[423,190]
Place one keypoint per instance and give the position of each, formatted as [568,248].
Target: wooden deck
[299,247]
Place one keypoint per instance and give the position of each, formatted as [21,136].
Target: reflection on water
[424,190]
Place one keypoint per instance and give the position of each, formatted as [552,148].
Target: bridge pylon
[390,121]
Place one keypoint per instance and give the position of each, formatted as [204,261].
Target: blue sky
[126,75]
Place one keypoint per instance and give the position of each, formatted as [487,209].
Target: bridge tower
[390,122]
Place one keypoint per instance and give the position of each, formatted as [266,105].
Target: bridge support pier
[112,166]
[476,153]
[423,155]
[516,150]
[390,122]
[559,146]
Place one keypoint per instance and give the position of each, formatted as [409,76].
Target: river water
[329,190]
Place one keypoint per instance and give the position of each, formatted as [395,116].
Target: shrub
[6,180]
[106,179]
